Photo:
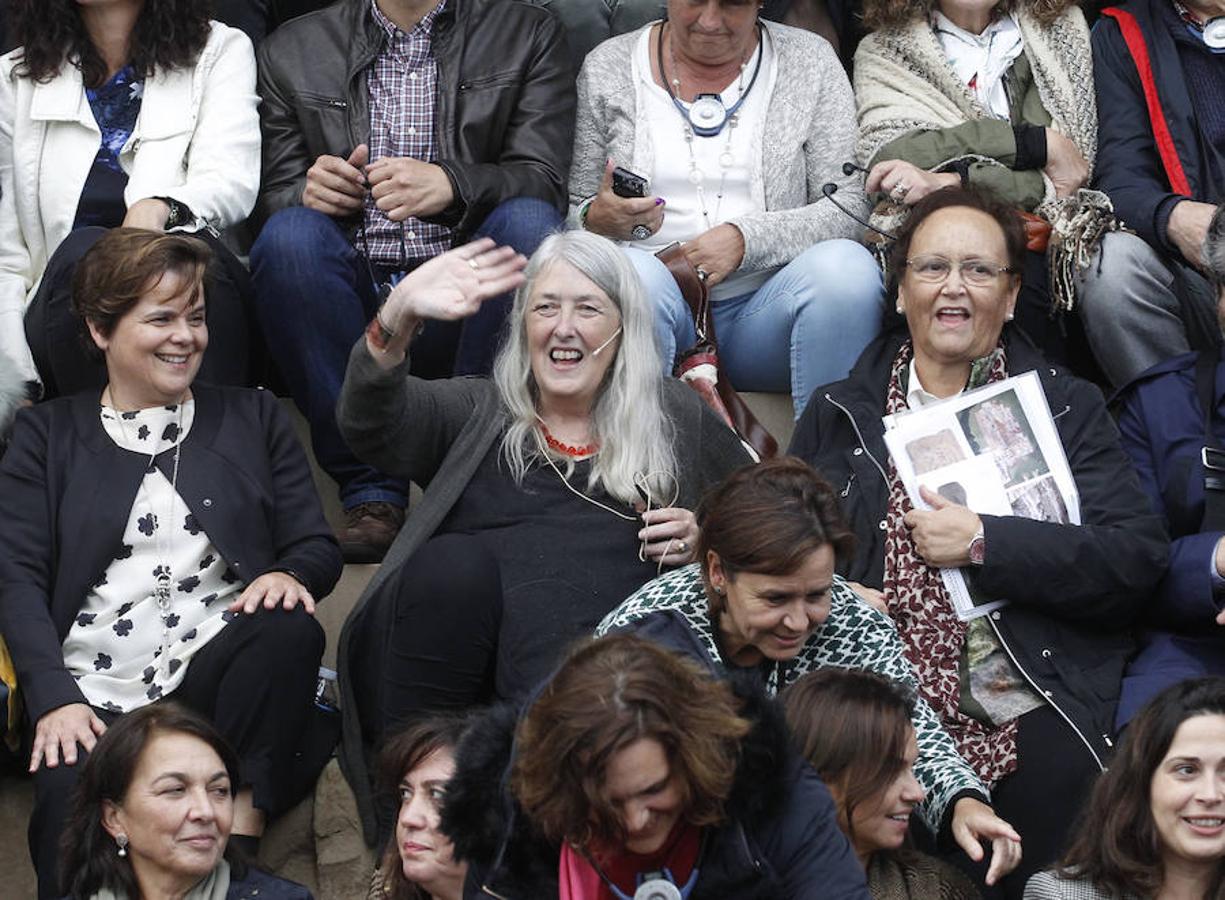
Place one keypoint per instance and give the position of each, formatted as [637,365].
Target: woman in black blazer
[165,541]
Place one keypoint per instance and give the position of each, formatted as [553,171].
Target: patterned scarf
[924,614]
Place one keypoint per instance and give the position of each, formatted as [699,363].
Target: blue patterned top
[116,106]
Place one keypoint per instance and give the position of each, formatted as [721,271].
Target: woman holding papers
[1028,692]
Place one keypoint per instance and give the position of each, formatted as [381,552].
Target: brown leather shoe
[368,531]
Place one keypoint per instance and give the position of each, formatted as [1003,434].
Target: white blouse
[126,649]
[725,161]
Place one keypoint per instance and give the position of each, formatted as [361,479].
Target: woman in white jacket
[118,112]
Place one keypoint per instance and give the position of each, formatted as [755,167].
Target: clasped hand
[401,186]
[943,533]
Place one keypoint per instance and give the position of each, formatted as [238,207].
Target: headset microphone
[598,350]
[828,190]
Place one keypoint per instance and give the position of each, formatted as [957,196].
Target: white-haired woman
[552,492]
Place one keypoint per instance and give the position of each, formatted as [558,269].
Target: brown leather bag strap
[693,289]
[697,296]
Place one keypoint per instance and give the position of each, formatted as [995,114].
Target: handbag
[699,366]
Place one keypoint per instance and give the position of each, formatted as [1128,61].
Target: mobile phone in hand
[626,184]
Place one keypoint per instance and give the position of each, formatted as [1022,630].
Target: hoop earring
[122,840]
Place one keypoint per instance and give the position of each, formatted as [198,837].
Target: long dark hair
[169,34]
[88,857]
[852,726]
[1116,845]
[401,754]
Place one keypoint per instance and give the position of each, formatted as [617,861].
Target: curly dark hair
[169,34]
[878,14]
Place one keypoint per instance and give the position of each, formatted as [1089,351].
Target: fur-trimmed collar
[483,820]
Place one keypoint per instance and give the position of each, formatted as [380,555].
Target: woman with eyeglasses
[552,491]
[1027,692]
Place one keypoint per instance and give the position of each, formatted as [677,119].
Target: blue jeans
[824,306]
[314,296]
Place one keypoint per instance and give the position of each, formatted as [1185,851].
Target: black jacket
[1128,166]
[781,841]
[66,491]
[1075,590]
[504,117]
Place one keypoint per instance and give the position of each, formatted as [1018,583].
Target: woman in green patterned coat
[763,598]
[994,94]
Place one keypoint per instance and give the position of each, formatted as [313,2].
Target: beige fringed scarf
[904,82]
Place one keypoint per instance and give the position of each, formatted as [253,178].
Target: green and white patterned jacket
[673,610]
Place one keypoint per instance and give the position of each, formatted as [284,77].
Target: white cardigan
[196,139]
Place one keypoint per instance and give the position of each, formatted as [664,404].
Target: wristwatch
[180,213]
[978,548]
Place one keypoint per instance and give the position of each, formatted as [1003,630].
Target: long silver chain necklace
[726,160]
[162,541]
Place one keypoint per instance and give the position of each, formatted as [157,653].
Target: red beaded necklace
[567,449]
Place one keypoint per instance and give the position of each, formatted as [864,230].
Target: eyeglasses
[935,269]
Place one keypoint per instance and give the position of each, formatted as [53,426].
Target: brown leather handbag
[699,366]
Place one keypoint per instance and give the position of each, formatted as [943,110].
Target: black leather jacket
[504,114]
[1074,590]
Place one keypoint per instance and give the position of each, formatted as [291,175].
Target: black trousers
[63,351]
[255,681]
[1041,799]
[427,643]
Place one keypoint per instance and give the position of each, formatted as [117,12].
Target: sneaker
[368,531]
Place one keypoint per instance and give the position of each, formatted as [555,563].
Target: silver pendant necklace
[162,540]
[706,117]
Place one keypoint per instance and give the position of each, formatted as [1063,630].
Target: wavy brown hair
[878,14]
[608,694]
[169,34]
[1116,845]
[851,726]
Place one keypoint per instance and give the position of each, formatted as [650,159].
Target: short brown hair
[768,518]
[984,201]
[852,727]
[608,694]
[117,271]
[879,14]
[401,754]
[1115,845]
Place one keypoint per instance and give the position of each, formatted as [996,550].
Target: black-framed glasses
[935,269]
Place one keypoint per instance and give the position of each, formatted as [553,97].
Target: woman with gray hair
[551,492]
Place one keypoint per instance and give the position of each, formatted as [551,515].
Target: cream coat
[197,140]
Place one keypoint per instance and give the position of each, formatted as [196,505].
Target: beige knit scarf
[904,82]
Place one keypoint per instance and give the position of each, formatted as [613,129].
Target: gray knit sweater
[809,132]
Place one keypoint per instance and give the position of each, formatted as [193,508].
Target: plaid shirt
[403,84]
